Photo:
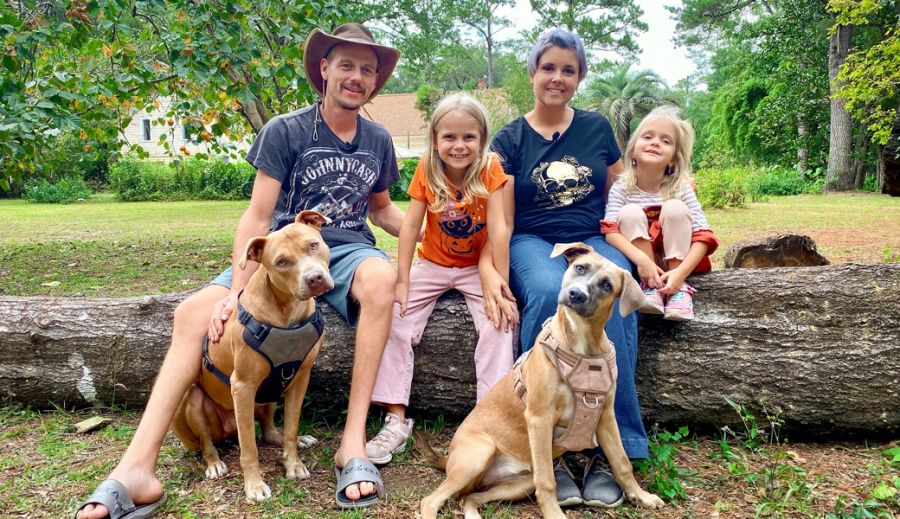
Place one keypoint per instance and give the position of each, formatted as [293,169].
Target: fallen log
[819,344]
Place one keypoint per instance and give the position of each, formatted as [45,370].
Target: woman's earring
[633,163]
[669,170]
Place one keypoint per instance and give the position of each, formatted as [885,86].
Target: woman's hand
[401,294]
[221,312]
[499,302]
[650,273]
[673,280]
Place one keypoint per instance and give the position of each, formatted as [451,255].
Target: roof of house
[397,113]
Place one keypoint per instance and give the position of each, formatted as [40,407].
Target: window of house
[145,129]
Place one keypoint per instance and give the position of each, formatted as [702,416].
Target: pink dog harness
[589,378]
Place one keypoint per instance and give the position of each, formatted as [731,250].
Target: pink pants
[427,281]
[674,226]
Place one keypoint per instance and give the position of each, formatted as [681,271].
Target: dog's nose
[314,278]
[577,296]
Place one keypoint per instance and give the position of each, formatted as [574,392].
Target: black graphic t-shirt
[319,171]
[559,183]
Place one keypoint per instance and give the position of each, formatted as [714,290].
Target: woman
[561,162]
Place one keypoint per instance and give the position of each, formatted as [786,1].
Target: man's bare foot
[142,487]
[354,492]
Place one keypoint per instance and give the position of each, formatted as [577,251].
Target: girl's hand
[499,302]
[400,296]
[673,279]
[650,273]
[221,312]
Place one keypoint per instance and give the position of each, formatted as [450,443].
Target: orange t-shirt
[454,237]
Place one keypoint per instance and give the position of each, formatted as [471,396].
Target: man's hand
[221,312]
[400,295]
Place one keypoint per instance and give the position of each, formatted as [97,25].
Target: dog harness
[589,378]
[284,348]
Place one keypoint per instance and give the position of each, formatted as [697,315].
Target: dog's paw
[647,500]
[257,491]
[216,470]
[295,470]
[306,441]
[272,436]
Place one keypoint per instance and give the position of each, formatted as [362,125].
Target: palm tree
[621,95]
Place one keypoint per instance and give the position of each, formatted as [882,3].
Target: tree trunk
[822,344]
[839,176]
[490,54]
[890,162]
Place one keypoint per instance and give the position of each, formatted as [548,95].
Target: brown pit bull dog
[505,448]
[267,350]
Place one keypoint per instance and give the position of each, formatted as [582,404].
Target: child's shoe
[653,303]
[390,440]
[680,306]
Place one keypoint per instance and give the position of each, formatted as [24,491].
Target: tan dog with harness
[267,350]
[559,397]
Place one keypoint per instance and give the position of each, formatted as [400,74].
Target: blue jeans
[535,280]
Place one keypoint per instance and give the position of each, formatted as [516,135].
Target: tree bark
[820,344]
[839,176]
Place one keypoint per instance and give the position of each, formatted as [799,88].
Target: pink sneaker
[653,303]
[680,306]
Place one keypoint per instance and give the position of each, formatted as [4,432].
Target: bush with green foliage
[779,181]
[63,191]
[407,167]
[194,179]
[723,187]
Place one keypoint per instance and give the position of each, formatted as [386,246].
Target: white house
[148,127]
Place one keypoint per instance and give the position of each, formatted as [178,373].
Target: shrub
[723,187]
[193,179]
[408,167]
[775,181]
[64,191]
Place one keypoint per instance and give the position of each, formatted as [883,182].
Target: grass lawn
[105,248]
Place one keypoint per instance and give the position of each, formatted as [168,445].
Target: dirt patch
[45,470]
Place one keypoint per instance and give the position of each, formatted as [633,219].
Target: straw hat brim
[319,43]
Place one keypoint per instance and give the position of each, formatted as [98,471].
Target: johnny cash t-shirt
[559,183]
[320,172]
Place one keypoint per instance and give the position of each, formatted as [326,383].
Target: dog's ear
[312,218]
[253,251]
[631,296]
[571,250]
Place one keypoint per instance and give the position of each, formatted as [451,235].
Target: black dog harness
[284,348]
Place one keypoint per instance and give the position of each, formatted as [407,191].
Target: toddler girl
[457,189]
[654,218]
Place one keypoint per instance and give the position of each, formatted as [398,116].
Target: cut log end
[786,250]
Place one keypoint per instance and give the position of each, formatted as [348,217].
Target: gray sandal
[114,496]
[357,470]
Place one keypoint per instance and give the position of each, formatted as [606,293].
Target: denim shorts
[345,259]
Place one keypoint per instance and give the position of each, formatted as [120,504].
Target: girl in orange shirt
[457,189]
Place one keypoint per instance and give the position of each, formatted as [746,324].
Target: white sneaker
[390,440]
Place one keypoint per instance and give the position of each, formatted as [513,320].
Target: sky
[658,52]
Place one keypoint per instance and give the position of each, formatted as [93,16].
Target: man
[324,157]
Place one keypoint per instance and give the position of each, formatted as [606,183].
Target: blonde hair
[472,186]
[673,183]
